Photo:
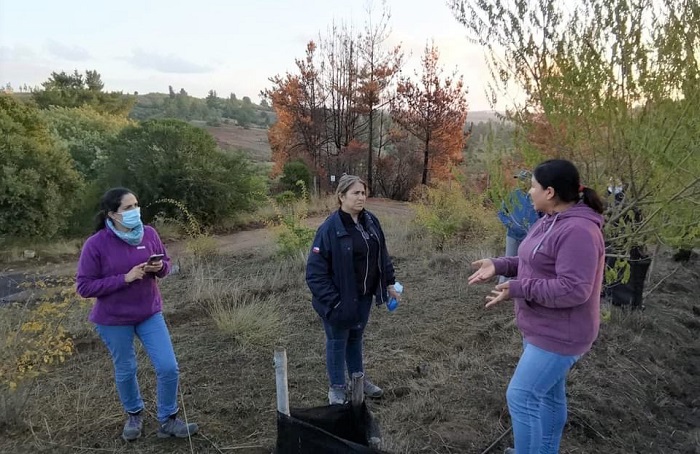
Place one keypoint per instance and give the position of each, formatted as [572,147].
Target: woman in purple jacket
[555,286]
[118,266]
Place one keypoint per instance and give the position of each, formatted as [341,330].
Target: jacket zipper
[364,284]
[379,264]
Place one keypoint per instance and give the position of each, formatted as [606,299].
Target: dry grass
[202,247]
[250,321]
[267,214]
[252,141]
[442,359]
[32,344]
[39,250]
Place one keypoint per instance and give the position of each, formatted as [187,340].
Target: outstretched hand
[500,293]
[485,270]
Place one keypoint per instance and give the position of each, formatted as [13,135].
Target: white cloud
[67,52]
[166,63]
[16,53]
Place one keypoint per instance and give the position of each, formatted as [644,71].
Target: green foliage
[38,182]
[286,198]
[171,159]
[612,86]
[447,214]
[292,173]
[619,272]
[211,109]
[76,90]
[86,133]
[293,235]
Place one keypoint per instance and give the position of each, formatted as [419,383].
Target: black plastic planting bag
[332,429]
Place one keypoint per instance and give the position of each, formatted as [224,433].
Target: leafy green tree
[93,81]
[171,159]
[212,100]
[294,171]
[613,86]
[76,90]
[86,133]
[38,183]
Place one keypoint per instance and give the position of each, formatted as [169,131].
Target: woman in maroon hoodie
[555,286]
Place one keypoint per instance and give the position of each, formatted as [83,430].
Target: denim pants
[344,348]
[537,400]
[155,338]
[512,246]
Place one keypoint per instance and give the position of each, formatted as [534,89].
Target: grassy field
[443,360]
[253,141]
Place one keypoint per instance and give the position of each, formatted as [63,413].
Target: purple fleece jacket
[104,262]
[558,275]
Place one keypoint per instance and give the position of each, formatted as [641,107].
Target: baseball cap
[523,175]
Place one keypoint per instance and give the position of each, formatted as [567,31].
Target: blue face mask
[131,219]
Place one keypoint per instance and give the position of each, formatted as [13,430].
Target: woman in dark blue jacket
[347,266]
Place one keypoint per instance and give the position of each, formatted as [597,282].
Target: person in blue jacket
[347,267]
[517,214]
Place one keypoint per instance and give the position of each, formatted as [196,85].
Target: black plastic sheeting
[332,429]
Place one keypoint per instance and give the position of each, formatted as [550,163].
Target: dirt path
[235,243]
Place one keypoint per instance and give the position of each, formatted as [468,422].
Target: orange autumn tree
[299,103]
[333,102]
[434,110]
[379,67]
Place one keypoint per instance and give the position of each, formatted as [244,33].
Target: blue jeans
[512,246]
[537,400]
[344,347]
[155,338]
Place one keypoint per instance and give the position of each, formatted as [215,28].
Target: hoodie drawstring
[537,248]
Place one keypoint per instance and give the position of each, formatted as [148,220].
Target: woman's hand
[485,270]
[500,293]
[136,273]
[393,293]
[154,267]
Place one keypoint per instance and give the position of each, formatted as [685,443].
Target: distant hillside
[212,109]
[482,116]
[252,141]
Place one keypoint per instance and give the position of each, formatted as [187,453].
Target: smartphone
[155,258]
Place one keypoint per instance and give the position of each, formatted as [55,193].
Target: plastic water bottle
[393,302]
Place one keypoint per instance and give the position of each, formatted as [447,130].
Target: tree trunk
[370,151]
[424,180]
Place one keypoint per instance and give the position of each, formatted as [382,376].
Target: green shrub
[85,132]
[292,234]
[446,214]
[292,173]
[171,159]
[38,182]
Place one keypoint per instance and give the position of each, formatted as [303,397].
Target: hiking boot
[133,427]
[336,395]
[509,451]
[175,427]
[372,390]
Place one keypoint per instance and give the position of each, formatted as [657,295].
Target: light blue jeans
[155,338]
[512,246]
[537,400]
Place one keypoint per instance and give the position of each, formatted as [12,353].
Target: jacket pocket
[343,313]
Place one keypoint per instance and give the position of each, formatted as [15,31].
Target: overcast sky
[230,46]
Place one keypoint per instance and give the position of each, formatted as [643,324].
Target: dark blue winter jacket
[330,272]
